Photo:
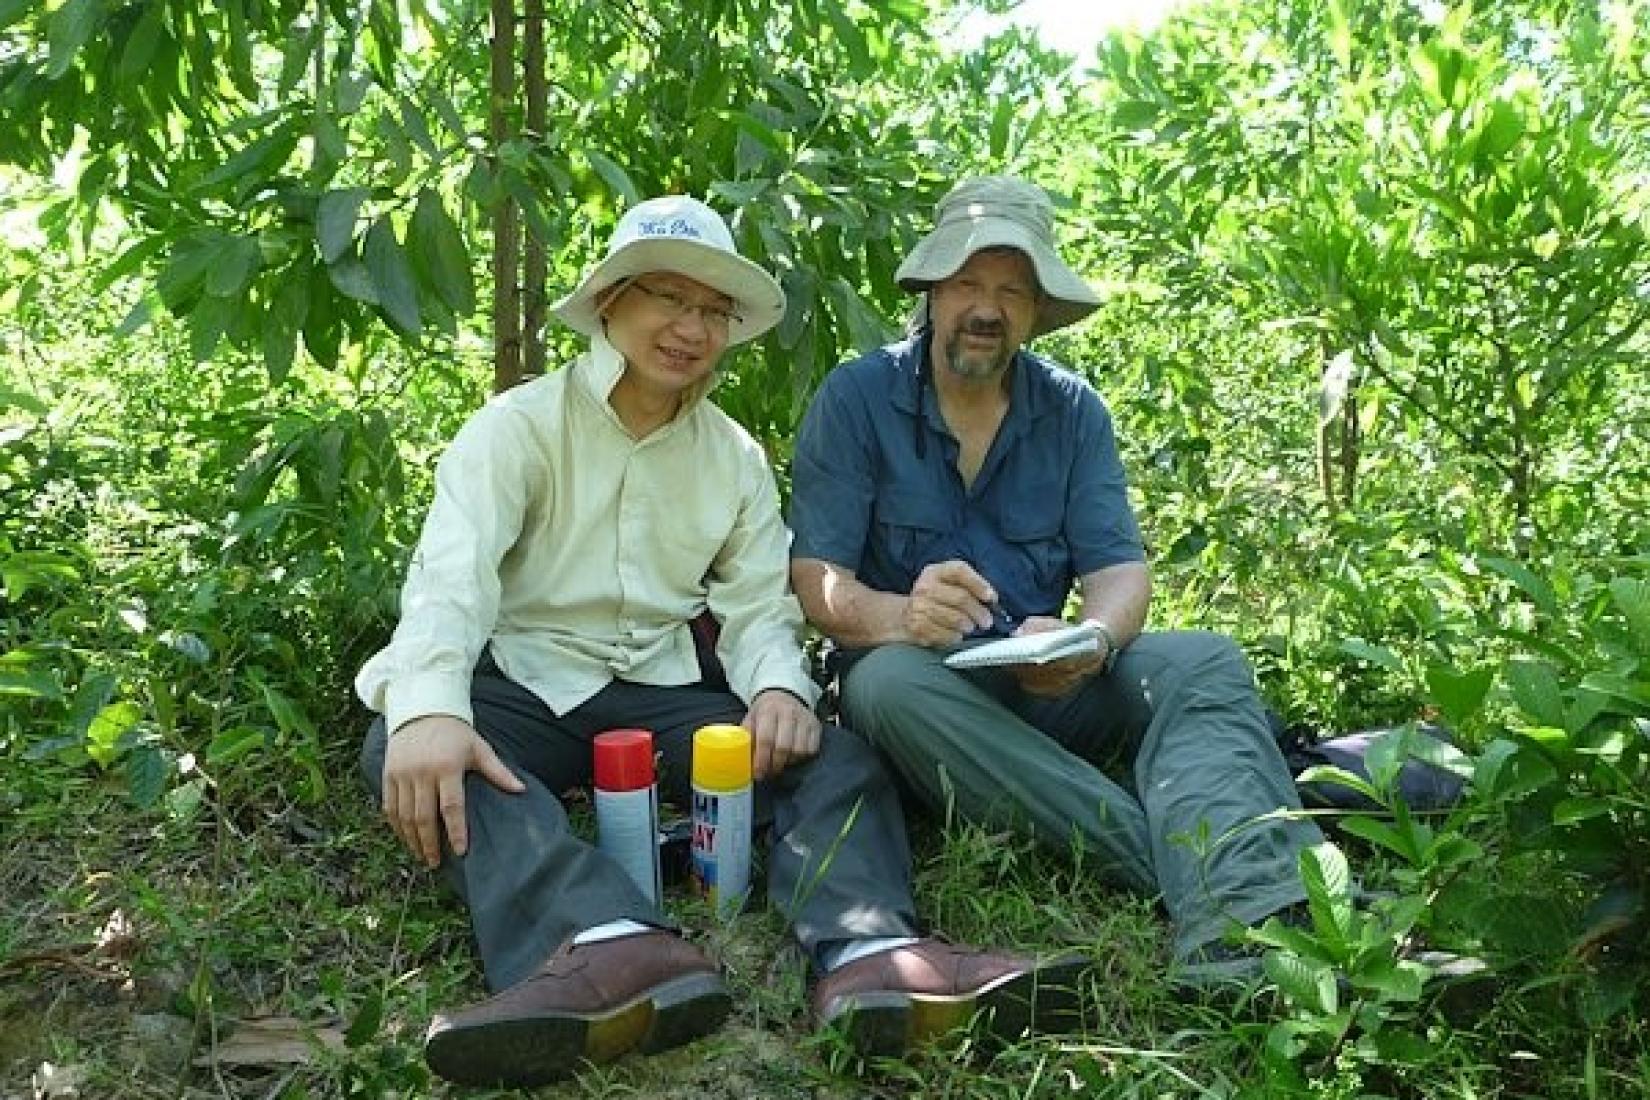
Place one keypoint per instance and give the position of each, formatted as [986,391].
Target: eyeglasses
[716,318]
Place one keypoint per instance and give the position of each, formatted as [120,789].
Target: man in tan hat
[955,488]
[583,525]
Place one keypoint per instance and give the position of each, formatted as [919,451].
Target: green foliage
[1373,338]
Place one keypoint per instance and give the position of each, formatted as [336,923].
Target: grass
[311,912]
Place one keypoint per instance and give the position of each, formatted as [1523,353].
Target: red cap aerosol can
[627,806]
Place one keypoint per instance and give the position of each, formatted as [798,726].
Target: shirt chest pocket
[1032,532]
[915,529]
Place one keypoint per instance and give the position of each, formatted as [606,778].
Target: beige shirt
[582,553]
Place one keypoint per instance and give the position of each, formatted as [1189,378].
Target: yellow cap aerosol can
[722,816]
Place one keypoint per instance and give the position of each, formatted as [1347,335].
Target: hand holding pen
[949,601]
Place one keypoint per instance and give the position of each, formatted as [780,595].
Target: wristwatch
[1110,639]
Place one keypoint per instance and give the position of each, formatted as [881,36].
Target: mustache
[982,328]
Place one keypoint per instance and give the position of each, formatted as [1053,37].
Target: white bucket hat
[680,234]
[999,212]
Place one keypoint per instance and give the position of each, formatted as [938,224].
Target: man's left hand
[1056,677]
[783,731]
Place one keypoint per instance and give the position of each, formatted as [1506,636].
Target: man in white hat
[584,524]
[955,487]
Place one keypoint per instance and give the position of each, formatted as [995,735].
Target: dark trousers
[838,864]
[1196,819]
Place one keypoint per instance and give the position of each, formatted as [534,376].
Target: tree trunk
[506,218]
[537,266]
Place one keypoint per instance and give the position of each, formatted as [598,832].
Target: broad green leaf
[438,251]
[353,280]
[128,262]
[138,316]
[1569,811]
[183,276]
[261,157]
[1328,773]
[1394,980]
[335,217]
[184,800]
[1328,882]
[1298,941]
[1452,850]
[1507,776]
[1627,694]
[383,40]
[614,176]
[207,322]
[1632,598]
[1287,1040]
[393,277]
[1385,756]
[1308,984]
[147,769]
[1441,754]
[367,1020]
[853,40]
[416,128]
[68,29]
[1002,118]
[113,722]
[1374,654]
[1458,694]
[232,744]
[1501,131]
[236,262]
[141,44]
[1379,832]
[91,695]
[1535,587]
[447,111]
[287,714]
[282,323]
[1135,114]
[1536,690]
[29,683]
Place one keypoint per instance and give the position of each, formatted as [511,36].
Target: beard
[977,365]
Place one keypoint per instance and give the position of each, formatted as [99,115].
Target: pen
[1000,619]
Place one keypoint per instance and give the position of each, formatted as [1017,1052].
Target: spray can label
[722,811]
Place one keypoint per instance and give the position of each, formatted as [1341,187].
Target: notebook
[1029,649]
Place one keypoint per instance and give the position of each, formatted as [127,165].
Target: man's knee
[1199,656]
[886,681]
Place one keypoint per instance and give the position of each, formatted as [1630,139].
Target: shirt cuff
[420,694]
[786,676]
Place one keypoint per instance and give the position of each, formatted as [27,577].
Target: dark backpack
[1422,785]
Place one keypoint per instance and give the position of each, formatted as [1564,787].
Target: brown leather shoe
[894,1000]
[647,992]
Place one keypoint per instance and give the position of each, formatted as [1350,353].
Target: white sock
[851,950]
[612,930]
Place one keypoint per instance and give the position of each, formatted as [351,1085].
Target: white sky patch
[1071,26]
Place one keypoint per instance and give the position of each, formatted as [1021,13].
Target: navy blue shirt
[875,487]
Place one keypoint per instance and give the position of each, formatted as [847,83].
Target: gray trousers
[1178,715]
[838,865]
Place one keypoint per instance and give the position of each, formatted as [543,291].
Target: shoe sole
[537,1050]
[888,1023]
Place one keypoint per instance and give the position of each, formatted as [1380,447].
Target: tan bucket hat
[680,234]
[1000,212]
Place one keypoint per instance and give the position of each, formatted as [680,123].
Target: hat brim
[758,300]
[943,252]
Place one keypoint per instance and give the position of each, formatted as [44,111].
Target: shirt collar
[1026,401]
[602,368]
